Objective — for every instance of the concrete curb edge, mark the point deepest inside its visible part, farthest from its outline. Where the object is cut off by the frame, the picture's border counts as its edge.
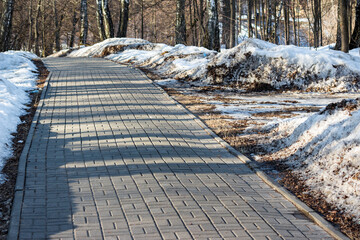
(14, 225)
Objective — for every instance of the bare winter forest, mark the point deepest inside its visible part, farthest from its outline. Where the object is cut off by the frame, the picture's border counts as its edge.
(45, 26)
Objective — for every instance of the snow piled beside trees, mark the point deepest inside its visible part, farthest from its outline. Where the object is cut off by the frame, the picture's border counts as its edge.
(253, 62)
(17, 77)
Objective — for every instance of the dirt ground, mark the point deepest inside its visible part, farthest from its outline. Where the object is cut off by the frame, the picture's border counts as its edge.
(232, 131)
(11, 167)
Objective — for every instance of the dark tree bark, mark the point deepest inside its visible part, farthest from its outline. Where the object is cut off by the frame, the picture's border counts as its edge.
(73, 31)
(124, 18)
(255, 4)
(317, 20)
(37, 28)
(109, 26)
(226, 16)
(287, 21)
(344, 26)
(5, 31)
(338, 30)
(84, 24)
(180, 28)
(355, 37)
(30, 39)
(249, 16)
(100, 19)
(212, 36)
(232, 23)
(57, 27)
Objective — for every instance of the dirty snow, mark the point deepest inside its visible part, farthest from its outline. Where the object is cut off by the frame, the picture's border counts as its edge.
(17, 77)
(98, 48)
(324, 149)
(286, 67)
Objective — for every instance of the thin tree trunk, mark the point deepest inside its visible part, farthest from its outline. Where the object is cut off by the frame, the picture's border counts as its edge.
(232, 23)
(344, 26)
(36, 33)
(263, 22)
(213, 41)
(293, 16)
(57, 27)
(226, 18)
(338, 30)
(256, 18)
(109, 26)
(29, 47)
(142, 19)
(84, 24)
(100, 19)
(180, 28)
(355, 37)
(287, 22)
(73, 31)
(6, 26)
(124, 19)
(249, 16)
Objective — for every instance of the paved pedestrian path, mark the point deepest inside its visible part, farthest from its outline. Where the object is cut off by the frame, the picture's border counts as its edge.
(112, 157)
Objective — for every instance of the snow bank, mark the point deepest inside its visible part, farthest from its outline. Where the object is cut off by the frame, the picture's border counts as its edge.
(179, 62)
(17, 77)
(286, 67)
(253, 65)
(98, 48)
(324, 149)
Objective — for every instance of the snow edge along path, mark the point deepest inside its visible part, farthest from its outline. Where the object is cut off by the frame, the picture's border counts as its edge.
(14, 226)
(310, 213)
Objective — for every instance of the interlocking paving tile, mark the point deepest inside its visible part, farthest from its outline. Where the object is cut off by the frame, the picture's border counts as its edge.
(113, 158)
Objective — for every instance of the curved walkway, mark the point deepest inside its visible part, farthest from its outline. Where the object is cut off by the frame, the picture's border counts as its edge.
(112, 157)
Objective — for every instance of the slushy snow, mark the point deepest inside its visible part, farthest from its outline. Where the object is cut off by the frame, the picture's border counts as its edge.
(17, 77)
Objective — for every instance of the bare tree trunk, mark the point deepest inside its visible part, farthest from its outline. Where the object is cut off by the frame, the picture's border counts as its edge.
(287, 22)
(226, 18)
(338, 30)
(57, 27)
(344, 26)
(262, 19)
(36, 33)
(232, 23)
(213, 40)
(256, 18)
(293, 16)
(73, 31)
(249, 16)
(355, 37)
(84, 24)
(100, 19)
(268, 20)
(5, 31)
(180, 28)
(142, 19)
(316, 28)
(109, 26)
(124, 18)
(30, 39)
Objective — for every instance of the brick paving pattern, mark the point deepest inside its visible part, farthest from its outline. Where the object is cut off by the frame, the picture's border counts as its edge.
(113, 158)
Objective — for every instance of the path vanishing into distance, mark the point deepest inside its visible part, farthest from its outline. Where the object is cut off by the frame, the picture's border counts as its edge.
(113, 157)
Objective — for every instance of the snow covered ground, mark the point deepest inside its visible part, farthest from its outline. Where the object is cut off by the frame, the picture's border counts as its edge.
(300, 127)
(17, 77)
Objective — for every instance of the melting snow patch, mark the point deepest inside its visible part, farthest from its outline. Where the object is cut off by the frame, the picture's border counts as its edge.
(17, 77)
